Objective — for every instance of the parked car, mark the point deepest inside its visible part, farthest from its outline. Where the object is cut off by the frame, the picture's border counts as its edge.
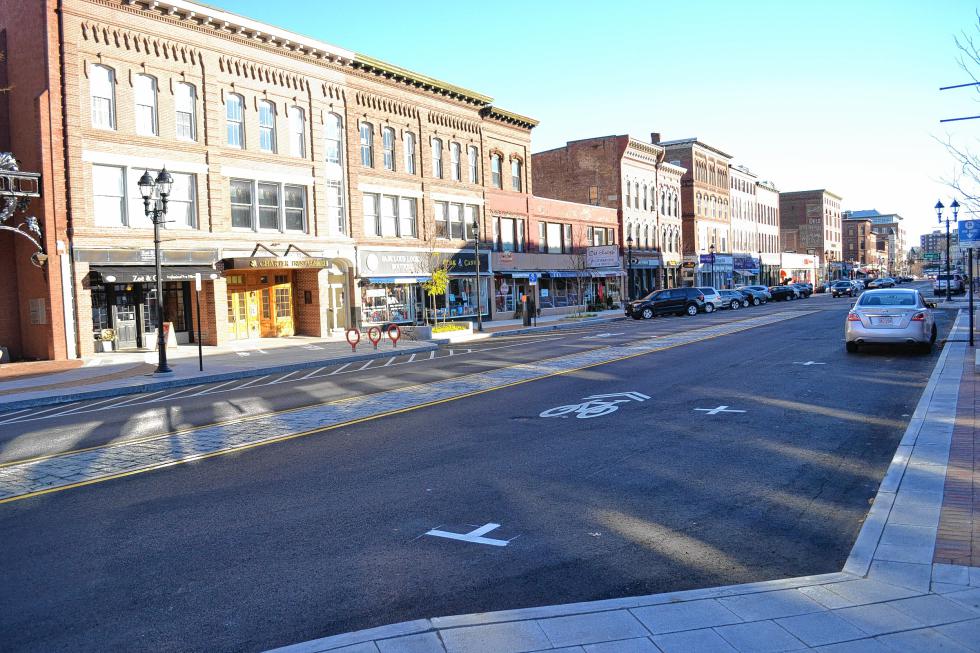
(783, 293)
(955, 282)
(841, 288)
(679, 301)
(712, 300)
(858, 283)
(760, 289)
(896, 315)
(882, 282)
(733, 299)
(755, 296)
(803, 289)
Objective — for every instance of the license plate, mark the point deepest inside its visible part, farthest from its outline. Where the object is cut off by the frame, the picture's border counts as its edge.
(883, 320)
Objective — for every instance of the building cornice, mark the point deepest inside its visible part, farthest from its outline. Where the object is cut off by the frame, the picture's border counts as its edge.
(508, 117)
(405, 76)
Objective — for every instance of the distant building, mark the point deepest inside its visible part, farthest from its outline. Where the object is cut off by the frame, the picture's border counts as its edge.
(767, 205)
(861, 252)
(890, 228)
(810, 223)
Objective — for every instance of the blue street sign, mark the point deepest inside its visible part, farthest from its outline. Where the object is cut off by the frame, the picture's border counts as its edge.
(533, 278)
(969, 233)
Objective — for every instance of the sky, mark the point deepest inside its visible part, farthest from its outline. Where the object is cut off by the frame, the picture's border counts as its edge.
(837, 94)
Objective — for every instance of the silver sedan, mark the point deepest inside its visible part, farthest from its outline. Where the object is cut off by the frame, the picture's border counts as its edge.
(892, 315)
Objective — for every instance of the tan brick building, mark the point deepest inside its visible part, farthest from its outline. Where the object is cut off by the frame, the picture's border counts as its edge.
(314, 186)
(810, 223)
(706, 211)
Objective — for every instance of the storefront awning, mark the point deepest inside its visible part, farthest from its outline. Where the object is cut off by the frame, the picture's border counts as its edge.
(396, 279)
(747, 273)
(148, 274)
(562, 274)
(607, 273)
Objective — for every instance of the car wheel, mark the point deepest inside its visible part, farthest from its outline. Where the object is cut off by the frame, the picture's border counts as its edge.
(736, 304)
(709, 308)
(647, 313)
(745, 303)
(692, 309)
(851, 347)
(756, 301)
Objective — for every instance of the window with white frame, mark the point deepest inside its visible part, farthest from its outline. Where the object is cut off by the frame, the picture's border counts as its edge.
(496, 174)
(474, 163)
(454, 161)
(102, 88)
(145, 98)
(297, 132)
(235, 119)
(437, 158)
(372, 218)
(388, 143)
(510, 234)
(554, 238)
(409, 141)
(457, 229)
(109, 196)
(267, 126)
(185, 114)
(333, 128)
(389, 216)
(367, 145)
(407, 217)
(442, 219)
(472, 218)
(267, 206)
(181, 203)
(515, 174)
(335, 205)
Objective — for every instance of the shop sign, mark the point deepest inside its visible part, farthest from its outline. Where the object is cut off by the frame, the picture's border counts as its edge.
(707, 258)
(507, 257)
(602, 256)
(387, 263)
(262, 263)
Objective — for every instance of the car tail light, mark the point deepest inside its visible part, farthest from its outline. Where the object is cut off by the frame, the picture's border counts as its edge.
(919, 317)
(853, 317)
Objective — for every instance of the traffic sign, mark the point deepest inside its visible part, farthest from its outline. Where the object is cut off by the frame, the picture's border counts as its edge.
(969, 233)
(533, 278)
(931, 256)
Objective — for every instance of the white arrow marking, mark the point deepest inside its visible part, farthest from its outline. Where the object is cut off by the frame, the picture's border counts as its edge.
(807, 363)
(601, 335)
(719, 409)
(475, 536)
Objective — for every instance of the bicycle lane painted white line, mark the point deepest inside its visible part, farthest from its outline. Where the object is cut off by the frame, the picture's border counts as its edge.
(20, 480)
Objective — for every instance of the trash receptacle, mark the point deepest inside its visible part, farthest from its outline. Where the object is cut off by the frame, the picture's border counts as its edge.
(528, 309)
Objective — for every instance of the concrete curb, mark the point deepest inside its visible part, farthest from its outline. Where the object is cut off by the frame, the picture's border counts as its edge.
(150, 386)
(556, 327)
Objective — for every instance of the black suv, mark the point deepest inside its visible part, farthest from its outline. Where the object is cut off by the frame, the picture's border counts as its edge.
(783, 293)
(676, 301)
(841, 288)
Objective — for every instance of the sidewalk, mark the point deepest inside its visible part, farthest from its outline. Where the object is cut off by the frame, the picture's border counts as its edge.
(911, 583)
(28, 385)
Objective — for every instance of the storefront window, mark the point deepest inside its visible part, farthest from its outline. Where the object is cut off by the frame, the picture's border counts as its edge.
(387, 302)
(283, 304)
(504, 293)
(460, 299)
(100, 310)
(173, 305)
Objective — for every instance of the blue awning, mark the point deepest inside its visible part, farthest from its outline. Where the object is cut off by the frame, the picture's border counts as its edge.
(562, 274)
(415, 279)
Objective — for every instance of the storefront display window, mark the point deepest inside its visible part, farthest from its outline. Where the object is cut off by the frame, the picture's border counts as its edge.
(459, 300)
(387, 302)
(558, 293)
(504, 292)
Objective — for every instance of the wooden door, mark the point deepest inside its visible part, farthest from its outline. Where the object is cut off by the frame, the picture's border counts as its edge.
(267, 322)
(282, 300)
(252, 301)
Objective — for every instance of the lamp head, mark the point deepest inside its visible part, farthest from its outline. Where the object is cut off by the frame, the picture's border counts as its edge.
(956, 208)
(146, 185)
(164, 182)
(629, 241)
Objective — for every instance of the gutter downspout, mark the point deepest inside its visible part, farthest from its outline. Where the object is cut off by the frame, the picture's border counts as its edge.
(69, 224)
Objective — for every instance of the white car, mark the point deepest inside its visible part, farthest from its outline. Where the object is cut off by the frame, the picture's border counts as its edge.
(858, 283)
(712, 300)
(890, 315)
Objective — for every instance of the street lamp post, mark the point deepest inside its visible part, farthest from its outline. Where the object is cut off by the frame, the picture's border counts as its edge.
(479, 295)
(939, 214)
(711, 257)
(156, 191)
(629, 267)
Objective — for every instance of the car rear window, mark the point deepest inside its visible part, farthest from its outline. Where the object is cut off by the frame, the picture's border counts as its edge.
(887, 299)
(707, 291)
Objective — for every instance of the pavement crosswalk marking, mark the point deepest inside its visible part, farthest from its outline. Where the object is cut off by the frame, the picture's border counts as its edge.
(37, 476)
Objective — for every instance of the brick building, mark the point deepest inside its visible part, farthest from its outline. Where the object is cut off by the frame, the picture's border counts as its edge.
(810, 223)
(890, 228)
(706, 211)
(767, 204)
(632, 177)
(862, 251)
(314, 187)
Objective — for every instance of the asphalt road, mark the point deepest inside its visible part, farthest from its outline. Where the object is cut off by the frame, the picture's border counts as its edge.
(327, 533)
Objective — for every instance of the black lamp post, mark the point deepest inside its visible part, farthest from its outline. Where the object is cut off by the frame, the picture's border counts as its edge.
(711, 257)
(939, 214)
(629, 267)
(476, 252)
(156, 191)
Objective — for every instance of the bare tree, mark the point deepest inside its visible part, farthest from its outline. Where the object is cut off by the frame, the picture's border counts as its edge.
(965, 178)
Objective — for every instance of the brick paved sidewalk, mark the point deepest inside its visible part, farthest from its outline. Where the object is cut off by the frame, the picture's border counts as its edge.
(911, 583)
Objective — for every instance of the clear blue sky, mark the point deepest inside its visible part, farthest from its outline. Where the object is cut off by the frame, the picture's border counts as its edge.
(837, 94)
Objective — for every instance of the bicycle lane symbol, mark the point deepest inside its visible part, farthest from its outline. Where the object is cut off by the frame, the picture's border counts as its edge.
(595, 405)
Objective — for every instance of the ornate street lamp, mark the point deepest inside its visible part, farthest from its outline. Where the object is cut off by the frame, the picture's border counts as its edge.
(476, 251)
(157, 191)
(16, 191)
(711, 257)
(939, 214)
(629, 267)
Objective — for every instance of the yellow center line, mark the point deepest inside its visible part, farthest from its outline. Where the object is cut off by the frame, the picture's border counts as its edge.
(359, 420)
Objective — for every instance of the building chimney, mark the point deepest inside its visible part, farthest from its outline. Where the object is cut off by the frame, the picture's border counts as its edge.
(655, 137)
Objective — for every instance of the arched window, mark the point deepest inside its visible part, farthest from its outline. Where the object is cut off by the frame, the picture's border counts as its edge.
(676, 210)
(297, 132)
(235, 119)
(646, 237)
(644, 197)
(437, 158)
(185, 111)
(496, 172)
(473, 159)
(455, 166)
(267, 126)
(388, 146)
(102, 88)
(628, 194)
(367, 144)
(636, 194)
(145, 98)
(409, 142)
(663, 201)
(334, 137)
(515, 174)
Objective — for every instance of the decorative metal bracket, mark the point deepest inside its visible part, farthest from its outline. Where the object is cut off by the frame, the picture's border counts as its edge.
(17, 189)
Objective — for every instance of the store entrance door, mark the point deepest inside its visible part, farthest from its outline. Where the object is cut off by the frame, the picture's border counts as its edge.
(237, 311)
(267, 324)
(124, 321)
(252, 299)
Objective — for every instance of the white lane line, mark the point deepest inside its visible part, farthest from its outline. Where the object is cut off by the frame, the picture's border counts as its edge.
(390, 361)
(366, 365)
(41, 412)
(86, 406)
(174, 394)
(255, 380)
(475, 536)
(432, 354)
(213, 388)
(137, 397)
(313, 373)
(412, 358)
(16, 412)
(281, 378)
(337, 371)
